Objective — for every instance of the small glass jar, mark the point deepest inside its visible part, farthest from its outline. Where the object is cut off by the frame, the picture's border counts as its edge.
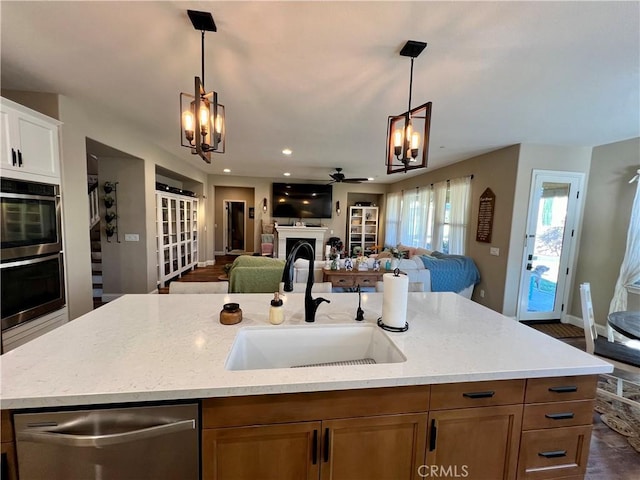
(230, 314)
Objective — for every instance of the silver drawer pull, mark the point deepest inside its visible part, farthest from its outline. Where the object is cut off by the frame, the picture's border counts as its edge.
(559, 416)
(553, 454)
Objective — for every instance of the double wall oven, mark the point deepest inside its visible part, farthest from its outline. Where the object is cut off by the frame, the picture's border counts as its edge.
(31, 258)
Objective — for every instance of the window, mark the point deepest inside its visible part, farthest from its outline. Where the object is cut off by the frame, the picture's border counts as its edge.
(434, 217)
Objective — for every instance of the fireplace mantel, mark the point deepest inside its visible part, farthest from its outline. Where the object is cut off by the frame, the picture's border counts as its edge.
(316, 233)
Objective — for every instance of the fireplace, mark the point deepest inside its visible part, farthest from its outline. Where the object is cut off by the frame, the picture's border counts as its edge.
(302, 253)
(288, 236)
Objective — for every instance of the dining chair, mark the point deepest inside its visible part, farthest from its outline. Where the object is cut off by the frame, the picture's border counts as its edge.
(199, 287)
(624, 359)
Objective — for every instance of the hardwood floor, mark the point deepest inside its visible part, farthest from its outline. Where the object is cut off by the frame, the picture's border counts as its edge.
(610, 456)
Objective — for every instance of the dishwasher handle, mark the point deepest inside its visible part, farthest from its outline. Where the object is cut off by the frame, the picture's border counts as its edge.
(99, 441)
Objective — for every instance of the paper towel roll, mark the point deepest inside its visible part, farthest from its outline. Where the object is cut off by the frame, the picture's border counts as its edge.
(394, 300)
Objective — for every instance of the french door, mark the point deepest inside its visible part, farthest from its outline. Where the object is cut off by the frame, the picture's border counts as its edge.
(550, 240)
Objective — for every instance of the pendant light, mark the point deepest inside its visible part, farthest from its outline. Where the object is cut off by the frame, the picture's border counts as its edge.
(408, 133)
(202, 123)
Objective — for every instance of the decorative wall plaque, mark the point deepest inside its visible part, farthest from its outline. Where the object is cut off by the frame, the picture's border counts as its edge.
(485, 216)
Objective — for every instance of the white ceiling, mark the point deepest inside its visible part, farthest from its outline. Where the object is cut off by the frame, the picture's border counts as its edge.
(322, 77)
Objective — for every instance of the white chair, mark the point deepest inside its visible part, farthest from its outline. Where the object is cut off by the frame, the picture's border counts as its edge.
(413, 287)
(623, 358)
(199, 287)
(321, 287)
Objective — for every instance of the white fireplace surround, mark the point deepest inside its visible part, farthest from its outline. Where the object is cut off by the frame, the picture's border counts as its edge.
(316, 233)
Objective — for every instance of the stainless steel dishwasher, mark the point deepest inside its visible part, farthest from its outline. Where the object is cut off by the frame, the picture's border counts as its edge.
(156, 442)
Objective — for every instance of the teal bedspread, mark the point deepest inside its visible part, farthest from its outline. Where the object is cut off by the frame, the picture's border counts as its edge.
(249, 274)
(450, 273)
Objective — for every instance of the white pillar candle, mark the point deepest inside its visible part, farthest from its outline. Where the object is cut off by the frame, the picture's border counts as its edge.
(394, 300)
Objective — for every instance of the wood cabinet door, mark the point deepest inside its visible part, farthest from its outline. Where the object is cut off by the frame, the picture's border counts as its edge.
(270, 452)
(477, 443)
(388, 447)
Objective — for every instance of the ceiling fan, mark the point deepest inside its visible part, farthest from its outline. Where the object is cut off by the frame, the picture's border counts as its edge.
(338, 177)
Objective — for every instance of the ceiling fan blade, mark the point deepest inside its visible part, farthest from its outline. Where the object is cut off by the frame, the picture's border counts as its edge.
(353, 180)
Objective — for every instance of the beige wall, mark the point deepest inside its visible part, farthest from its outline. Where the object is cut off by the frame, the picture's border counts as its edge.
(497, 171)
(543, 157)
(262, 189)
(606, 220)
(79, 123)
(117, 258)
(45, 103)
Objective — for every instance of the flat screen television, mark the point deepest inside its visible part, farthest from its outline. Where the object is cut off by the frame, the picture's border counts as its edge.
(301, 200)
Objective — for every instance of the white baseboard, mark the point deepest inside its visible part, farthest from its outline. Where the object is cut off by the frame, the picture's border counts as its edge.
(208, 263)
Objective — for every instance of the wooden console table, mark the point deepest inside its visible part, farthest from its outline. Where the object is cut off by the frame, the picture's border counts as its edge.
(350, 279)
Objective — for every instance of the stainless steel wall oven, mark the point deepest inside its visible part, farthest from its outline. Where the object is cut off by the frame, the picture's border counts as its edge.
(30, 215)
(31, 258)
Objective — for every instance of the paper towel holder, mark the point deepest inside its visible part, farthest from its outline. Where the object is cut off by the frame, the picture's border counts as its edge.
(388, 328)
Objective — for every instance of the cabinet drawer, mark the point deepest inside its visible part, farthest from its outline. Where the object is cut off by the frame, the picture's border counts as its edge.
(557, 414)
(561, 389)
(476, 394)
(367, 281)
(342, 281)
(554, 453)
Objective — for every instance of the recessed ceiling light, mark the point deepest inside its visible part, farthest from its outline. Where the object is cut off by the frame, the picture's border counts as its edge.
(287, 151)
(287, 174)
(371, 179)
(227, 170)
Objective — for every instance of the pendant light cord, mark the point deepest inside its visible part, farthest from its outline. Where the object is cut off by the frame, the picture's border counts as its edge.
(202, 59)
(410, 85)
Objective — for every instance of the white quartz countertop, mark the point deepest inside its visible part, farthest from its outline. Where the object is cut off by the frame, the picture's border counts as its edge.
(163, 347)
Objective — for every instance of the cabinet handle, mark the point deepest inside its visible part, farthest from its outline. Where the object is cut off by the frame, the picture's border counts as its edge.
(19, 158)
(559, 416)
(567, 389)
(326, 445)
(433, 435)
(487, 394)
(314, 448)
(553, 454)
(13, 157)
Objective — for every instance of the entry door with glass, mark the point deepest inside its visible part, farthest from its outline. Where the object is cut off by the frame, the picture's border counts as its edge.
(549, 244)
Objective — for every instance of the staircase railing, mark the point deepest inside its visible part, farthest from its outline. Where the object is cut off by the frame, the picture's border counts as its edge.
(94, 212)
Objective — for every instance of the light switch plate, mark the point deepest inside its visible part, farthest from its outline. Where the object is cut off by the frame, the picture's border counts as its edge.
(131, 237)
(494, 251)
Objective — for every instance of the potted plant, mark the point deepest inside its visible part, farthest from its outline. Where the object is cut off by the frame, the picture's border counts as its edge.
(108, 187)
(110, 217)
(110, 230)
(108, 201)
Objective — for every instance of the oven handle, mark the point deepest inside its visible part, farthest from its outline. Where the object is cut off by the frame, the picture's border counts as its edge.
(30, 261)
(100, 441)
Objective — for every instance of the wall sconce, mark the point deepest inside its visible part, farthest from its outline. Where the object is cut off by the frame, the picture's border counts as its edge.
(338, 208)
(202, 125)
(405, 149)
(264, 204)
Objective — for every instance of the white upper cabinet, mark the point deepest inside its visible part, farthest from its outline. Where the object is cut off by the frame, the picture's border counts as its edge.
(30, 145)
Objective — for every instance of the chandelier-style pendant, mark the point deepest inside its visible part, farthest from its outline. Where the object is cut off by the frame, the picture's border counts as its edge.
(408, 133)
(202, 119)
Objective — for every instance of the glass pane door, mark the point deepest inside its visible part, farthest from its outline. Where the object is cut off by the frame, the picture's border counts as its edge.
(549, 242)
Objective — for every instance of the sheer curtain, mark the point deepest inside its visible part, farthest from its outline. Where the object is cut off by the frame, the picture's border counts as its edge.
(439, 210)
(630, 268)
(392, 224)
(459, 191)
(415, 217)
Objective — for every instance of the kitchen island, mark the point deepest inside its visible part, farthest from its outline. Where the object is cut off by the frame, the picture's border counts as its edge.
(151, 348)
